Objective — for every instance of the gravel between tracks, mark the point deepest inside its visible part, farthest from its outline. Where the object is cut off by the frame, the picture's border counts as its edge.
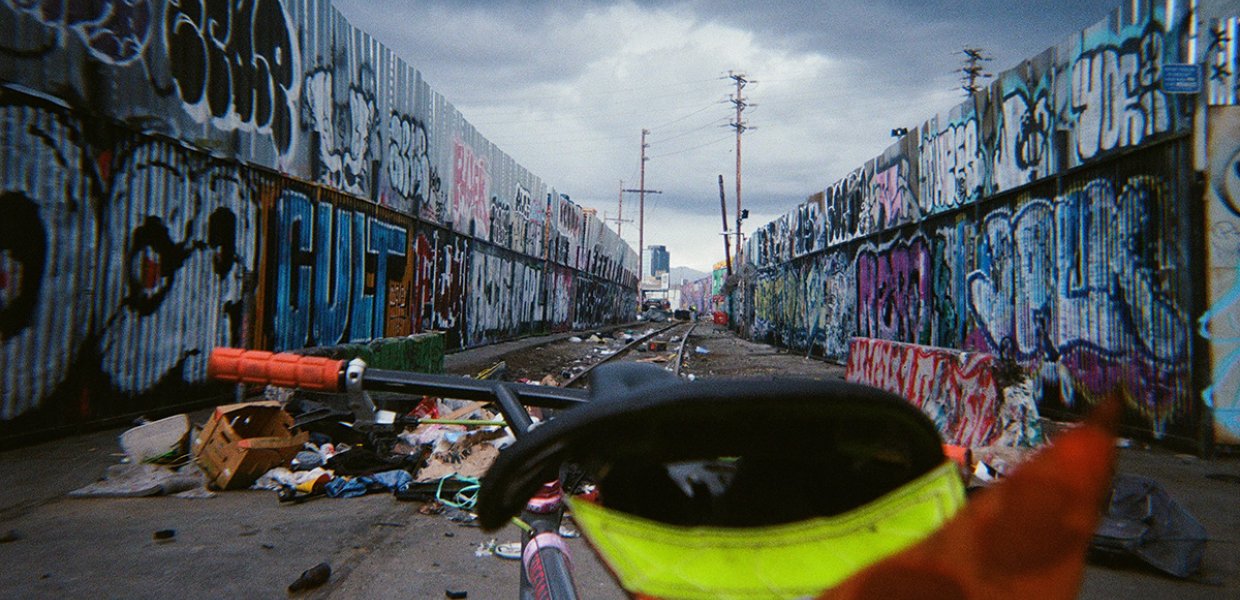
(727, 355)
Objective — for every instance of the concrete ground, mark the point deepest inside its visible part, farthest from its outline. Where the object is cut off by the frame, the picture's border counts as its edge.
(246, 544)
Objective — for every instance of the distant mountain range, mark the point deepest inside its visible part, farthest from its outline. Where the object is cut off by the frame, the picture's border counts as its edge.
(676, 274)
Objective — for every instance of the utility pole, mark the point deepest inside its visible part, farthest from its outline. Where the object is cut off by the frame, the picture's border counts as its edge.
(641, 211)
(973, 70)
(723, 210)
(620, 220)
(740, 126)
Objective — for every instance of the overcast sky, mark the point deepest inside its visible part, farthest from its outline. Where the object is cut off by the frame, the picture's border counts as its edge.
(566, 89)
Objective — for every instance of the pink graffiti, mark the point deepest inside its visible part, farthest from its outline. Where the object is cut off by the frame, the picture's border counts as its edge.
(469, 194)
(889, 193)
(893, 291)
(957, 390)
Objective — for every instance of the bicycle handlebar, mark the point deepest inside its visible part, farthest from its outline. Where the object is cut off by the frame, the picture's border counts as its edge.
(284, 369)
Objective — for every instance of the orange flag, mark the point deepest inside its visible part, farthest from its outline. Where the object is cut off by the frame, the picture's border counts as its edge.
(1024, 537)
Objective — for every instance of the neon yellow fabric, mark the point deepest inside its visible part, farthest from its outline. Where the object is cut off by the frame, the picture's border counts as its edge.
(783, 561)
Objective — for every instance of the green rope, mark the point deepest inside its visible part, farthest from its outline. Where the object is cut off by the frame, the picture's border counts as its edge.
(465, 498)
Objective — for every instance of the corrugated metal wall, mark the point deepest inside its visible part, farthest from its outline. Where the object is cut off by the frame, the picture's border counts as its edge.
(1050, 219)
(180, 175)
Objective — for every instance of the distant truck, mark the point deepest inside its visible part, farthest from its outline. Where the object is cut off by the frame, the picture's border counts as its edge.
(656, 303)
(655, 310)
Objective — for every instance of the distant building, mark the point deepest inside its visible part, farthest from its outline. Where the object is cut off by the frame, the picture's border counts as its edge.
(659, 261)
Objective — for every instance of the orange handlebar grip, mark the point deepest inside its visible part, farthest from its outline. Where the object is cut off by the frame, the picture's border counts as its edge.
(313, 373)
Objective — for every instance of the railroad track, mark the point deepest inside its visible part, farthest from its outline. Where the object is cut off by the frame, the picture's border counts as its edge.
(657, 341)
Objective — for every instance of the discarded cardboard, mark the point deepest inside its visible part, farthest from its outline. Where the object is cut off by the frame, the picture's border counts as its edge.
(243, 441)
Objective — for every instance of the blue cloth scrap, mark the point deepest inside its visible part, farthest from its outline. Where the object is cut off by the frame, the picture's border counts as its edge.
(392, 481)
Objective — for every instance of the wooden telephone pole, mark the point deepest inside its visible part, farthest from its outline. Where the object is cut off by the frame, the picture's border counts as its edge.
(641, 192)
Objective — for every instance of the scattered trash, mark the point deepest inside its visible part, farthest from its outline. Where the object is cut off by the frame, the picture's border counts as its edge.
(657, 346)
(164, 536)
(1123, 443)
(457, 515)
(242, 441)
(282, 477)
(311, 578)
(701, 350)
(485, 549)
(468, 455)
(431, 508)
(199, 493)
(307, 460)
(1001, 459)
(161, 442)
(575, 340)
(510, 551)
(10, 536)
(138, 480)
(595, 339)
(1144, 522)
(692, 377)
(352, 487)
(982, 475)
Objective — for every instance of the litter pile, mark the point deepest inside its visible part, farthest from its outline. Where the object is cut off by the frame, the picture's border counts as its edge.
(302, 446)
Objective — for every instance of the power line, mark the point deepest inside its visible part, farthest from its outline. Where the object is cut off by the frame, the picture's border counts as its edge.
(661, 86)
(715, 123)
(682, 151)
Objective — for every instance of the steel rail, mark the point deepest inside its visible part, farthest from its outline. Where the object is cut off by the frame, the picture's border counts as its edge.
(623, 349)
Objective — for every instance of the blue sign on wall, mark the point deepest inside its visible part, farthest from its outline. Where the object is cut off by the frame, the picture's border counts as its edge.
(1181, 78)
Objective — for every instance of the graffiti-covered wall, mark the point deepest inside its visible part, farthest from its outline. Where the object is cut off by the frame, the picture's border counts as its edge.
(181, 174)
(1051, 219)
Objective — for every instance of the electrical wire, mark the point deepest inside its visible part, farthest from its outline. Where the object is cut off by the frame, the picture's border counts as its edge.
(682, 151)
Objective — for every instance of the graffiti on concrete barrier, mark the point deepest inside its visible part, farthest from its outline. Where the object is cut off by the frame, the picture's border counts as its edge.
(957, 390)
